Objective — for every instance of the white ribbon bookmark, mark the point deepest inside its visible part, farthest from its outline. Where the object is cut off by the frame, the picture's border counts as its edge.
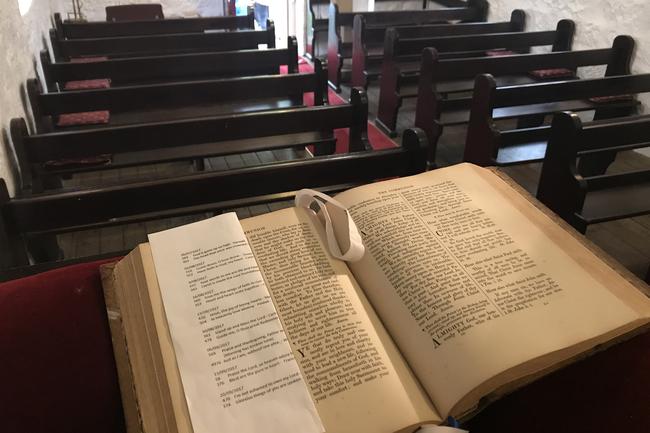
(342, 233)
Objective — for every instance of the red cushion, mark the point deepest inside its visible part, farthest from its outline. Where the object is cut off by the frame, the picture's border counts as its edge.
(100, 83)
(57, 370)
(542, 74)
(607, 392)
(497, 53)
(85, 118)
(90, 59)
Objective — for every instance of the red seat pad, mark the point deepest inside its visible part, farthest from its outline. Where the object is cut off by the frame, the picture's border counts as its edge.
(499, 53)
(605, 393)
(89, 59)
(57, 370)
(85, 118)
(99, 83)
(543, 74)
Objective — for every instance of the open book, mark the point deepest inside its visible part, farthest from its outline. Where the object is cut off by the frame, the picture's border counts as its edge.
(466, 291)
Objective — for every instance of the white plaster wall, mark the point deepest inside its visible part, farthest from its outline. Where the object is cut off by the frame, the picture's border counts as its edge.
(21, 39)
(597, 23)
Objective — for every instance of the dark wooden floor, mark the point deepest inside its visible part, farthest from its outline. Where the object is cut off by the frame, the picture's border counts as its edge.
(628, 240)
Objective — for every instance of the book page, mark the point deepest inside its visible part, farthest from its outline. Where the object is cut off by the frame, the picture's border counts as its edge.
(356, 376)
(473, 282)
(237, 369)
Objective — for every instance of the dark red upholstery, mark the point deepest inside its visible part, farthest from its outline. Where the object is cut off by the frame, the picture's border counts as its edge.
(499, 53)
(85, 118)
(57, 370)
(100, 83)
(545, 74)
(606, 393)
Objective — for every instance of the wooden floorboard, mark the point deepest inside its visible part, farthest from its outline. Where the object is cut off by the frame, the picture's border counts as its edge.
(627, 240)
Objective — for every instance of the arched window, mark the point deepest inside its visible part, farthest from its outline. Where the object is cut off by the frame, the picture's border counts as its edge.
(23, 6)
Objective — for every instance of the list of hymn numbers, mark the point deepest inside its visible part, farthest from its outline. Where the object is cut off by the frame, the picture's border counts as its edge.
(238, 321)
(237, 368)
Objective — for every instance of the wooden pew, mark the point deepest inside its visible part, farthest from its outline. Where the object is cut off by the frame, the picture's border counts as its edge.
(487, 144)
(130, 46)
(25, 218)
(440, 77)
(177, 100)
(368, 41)
(318, 26)
(584, 200)
(340, 22)
(400, 71)
(174, 67)
(317, 29)
(40, 155)
(106, 29)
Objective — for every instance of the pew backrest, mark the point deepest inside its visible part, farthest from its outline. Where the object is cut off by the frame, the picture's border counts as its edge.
(173, 67)
(211, 94)
(125, 46)
(190, 138)
(107, 29)
(31, 216)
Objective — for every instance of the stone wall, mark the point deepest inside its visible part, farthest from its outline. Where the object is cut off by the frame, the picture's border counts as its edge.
(21, 39)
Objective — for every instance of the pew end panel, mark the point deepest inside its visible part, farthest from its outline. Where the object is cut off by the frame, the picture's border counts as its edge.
(56, 47)
(565, 32)
(14, 251)
(482, 8)
(321, 96)
(58, 26)
(334, 42)
(46, 65)
(518, 20)
(389, 98)
(581, 199)
(42, 122)
(560, 186)
(292, 60)
(359, 128)
(270, 34)
(427, 111)
(359, 52)
(479, 145)
(19, 133)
